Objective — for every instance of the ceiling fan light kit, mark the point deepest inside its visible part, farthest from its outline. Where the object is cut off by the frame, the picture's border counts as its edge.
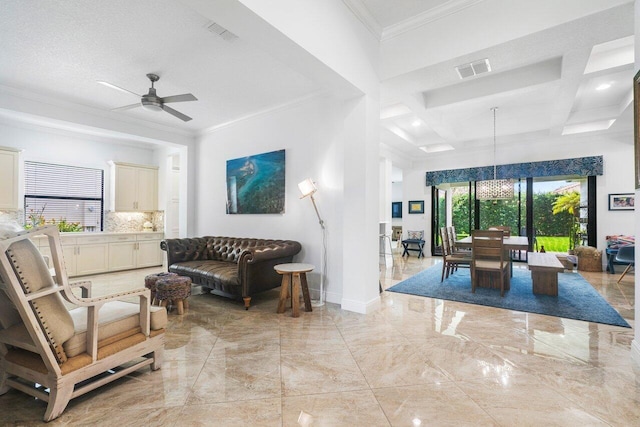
(152, 102)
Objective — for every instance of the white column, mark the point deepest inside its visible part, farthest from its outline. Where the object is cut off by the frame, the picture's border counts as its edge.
(635, 344)
(361, 208)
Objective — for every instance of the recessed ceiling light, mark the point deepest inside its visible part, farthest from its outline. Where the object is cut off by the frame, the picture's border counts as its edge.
(603, 86)
(416, 123)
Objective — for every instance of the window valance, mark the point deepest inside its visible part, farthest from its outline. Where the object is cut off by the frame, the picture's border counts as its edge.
(583, 166)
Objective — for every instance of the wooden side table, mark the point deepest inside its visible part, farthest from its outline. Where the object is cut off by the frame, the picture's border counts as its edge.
(294, 275)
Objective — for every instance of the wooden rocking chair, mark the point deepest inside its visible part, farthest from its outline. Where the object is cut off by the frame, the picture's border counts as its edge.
(44, 346)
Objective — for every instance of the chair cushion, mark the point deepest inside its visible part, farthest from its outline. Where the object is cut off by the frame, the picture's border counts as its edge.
(116, 319)
(33, 275)
(209, 272)
(487, 264)
(415, 235)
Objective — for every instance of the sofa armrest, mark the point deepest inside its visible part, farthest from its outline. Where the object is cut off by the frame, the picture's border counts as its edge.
(287, 248)
(255, 265)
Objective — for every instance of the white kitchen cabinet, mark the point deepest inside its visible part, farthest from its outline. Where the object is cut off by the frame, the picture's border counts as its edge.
(135, 251)
(103, 252)
(9, 167)
(149, 252)
(133, 187)
(122, 252)
(83, 255)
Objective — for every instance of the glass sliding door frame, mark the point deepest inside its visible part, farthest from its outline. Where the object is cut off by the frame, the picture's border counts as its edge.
(439, 212)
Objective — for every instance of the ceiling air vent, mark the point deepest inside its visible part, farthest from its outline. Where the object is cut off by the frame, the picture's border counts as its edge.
(473, 68)
(219, 30)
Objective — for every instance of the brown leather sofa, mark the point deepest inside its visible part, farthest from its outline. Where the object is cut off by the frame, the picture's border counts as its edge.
(232, 267)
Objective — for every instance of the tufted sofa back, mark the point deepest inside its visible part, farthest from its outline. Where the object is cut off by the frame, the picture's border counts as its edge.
(217, 248)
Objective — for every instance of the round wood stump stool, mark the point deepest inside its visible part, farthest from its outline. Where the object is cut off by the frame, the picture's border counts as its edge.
(175, 289)
(150, 282)
(294, 275)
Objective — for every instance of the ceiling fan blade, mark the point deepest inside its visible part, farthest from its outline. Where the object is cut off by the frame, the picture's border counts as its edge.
(179, 98)
(112, 86)
(127, 107)
(176, 113)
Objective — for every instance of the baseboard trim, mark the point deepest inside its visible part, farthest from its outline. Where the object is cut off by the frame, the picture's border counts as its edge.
(361, 306)
(635, 351)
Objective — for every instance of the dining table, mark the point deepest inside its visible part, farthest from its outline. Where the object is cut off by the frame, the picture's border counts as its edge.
(511, 243)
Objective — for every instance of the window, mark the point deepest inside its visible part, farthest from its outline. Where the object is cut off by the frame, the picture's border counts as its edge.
(61, 192)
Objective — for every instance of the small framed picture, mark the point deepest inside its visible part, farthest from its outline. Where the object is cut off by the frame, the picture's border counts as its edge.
(416, 206)
(622, 202)
(396, 209)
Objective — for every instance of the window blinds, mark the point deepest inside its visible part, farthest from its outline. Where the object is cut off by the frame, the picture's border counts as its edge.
(61, 192)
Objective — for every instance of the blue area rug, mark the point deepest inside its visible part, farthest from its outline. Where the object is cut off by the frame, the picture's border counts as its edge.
(576, 299)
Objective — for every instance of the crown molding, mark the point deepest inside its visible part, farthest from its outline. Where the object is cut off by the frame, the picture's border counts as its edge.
(444, 10)
(269, 110)
(362, 13)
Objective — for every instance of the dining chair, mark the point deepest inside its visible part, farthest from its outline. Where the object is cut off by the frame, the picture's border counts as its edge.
(626, 254)
(451, 231)
(488, 256)
(450, 260)
(504, 228)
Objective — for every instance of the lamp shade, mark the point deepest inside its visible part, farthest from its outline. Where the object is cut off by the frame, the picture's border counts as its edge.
(495, 189)
(307, 187)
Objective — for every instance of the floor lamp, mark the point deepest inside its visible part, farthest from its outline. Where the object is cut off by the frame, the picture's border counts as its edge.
(308, 188)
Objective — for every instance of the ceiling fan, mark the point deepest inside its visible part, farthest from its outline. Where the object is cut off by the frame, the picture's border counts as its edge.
(153, 102)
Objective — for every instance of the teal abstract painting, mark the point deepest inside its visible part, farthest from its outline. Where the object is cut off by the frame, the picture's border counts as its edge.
(255, 184)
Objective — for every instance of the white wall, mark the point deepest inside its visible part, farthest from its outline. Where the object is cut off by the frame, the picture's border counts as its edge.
(68, 148)
(308, 134)
(413, 188)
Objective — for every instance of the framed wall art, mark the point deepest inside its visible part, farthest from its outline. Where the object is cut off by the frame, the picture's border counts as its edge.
(622, 202)
(636, 126)
(255, 184)
(416, 206)
(396, 209)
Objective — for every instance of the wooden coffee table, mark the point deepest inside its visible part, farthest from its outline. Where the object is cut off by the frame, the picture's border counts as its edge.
(544, 272)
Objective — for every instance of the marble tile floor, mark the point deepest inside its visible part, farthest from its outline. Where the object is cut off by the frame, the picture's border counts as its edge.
(413, 362)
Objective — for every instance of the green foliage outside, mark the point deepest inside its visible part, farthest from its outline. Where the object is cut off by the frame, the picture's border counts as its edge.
(559, 224)
(552, 244)
(37, 219)
(63, 224)
(570, 203)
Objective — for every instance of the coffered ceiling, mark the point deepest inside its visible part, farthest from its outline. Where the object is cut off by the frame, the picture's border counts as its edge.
(556, 68)
(564, 72)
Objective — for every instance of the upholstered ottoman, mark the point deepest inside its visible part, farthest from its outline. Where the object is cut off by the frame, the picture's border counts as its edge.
(151, 279)
(175, 289)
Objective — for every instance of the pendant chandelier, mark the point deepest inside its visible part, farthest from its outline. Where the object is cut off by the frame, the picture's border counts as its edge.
(495, 189)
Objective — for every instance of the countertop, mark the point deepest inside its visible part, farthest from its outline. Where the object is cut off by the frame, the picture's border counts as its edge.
(107, 233)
